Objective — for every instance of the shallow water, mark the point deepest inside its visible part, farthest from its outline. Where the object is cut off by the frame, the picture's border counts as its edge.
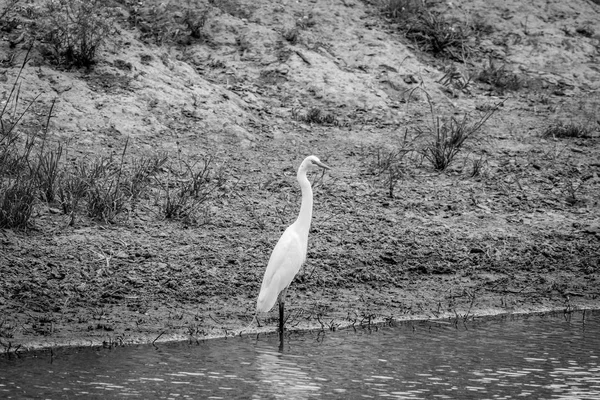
(552, 357)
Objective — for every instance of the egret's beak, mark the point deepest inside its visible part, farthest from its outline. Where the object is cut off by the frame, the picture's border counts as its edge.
(322, 165)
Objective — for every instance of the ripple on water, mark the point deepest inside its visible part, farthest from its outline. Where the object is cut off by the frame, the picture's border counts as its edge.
(531, 357)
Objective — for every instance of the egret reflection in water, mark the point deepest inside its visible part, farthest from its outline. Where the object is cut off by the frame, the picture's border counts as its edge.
(529, 356)
(280, 377)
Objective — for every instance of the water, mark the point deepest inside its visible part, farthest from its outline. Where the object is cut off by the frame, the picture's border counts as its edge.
(549, 357)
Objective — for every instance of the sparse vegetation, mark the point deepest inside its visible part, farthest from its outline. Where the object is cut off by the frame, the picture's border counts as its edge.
(477, 167)
(104, 185)
(455, 79)
(441, 37)
(572, 188)
(402, 9)
(187, 187)
(73, 188)
(17, 175)
(195, 21)
(73, 30)
(390, 164)
(316, 116)
(48, 173)
(560, 129)
(105, 197)
(32, 172)
(448, 136)
(430, 29)
(499, 77)
(166, 22)
(17, 201)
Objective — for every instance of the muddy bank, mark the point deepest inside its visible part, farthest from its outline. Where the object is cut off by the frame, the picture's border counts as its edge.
(512, 225)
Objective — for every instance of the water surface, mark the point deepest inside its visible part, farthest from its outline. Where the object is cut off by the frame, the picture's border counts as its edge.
(551, 357)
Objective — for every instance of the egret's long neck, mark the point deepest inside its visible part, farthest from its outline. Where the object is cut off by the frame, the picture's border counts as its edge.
(305, 215)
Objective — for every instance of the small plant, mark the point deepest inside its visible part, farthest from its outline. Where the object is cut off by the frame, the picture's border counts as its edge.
(567, 130)
(187, 188)
(153, 21)
(72, 188)
(143, 169)
(389, 163)
(454, 78)
(291, 35)
(449, 137)
(441, 37)
(571, 190)
(112, 189)
(48, 162)
(316, 116)
(16, 202)
(105, 196)
(499, 78)
(195, 20)
(74, 30)
(48, 172)
(163, 22)
(402, 9)
(477, 167)
(102, 194)
(96, 184)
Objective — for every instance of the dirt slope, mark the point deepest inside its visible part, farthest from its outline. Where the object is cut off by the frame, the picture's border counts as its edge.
(522, 235)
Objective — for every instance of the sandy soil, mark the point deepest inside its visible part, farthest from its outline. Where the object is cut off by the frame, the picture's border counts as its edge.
(522, 235)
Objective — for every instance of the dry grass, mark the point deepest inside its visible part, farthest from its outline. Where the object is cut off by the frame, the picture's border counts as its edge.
(559, 129)
(34, 171)
(436, 34)
(73, 30)
(499, 77)
(316, 116)
(402, 9)
(448, 136)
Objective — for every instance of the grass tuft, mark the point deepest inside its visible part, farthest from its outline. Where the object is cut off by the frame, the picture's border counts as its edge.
(435, 34)
(187, 187)
(455, 79)
(402, 9)
(448, 137)
(499, 78)
(567, 130)
(316, 116)
(74, 30)
(16, 202)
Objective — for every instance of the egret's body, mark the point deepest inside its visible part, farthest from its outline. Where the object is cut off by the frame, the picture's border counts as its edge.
(290, 251)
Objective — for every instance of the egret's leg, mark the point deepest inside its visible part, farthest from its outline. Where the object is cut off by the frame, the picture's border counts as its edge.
(281, 309)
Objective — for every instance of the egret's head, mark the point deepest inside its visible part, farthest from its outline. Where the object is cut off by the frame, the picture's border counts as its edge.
(312, 162)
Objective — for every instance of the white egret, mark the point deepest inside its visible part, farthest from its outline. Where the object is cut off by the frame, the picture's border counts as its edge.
(290, 251)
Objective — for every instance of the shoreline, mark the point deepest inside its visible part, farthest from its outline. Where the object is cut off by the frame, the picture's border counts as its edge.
(33, 346)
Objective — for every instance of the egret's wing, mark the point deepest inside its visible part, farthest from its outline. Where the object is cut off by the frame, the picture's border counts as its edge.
(285, 262)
